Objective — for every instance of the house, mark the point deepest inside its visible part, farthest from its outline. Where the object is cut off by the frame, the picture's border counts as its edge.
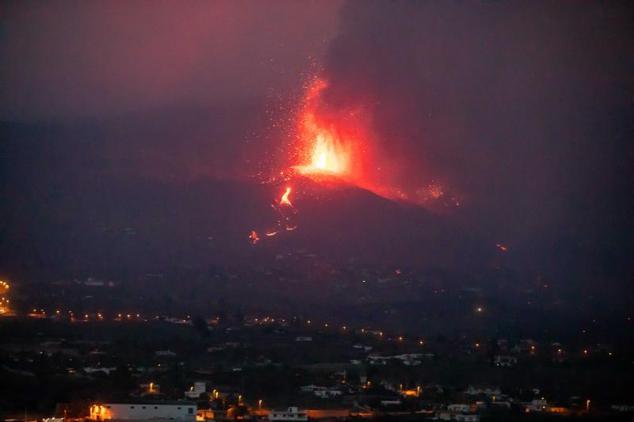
(99, 369)
(623, 408)
(290, 414)
(390, 402)
(321, 392)
(150, 388)
(504, 361)
(328, 393)
(485, 391)
(458, 408)
(378, 360)
(407, 359)
(537, 405)
(458, 412)
(362, 347)
(309, 388)
(467, 418)
(196, 390)
(181, 411)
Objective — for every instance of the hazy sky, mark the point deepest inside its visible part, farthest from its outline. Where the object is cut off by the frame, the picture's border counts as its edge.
(65, 58)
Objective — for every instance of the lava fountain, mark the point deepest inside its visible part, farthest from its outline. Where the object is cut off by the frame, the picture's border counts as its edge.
(328, 154)
(328, 144)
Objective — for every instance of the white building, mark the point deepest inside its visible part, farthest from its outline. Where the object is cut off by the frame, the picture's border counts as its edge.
(462, 417)
(196, 390)
(328, 393)
(408, 359)
(97, 369)
(178, 411)
(458, 408)
(290, 414)
(537, 405)
(486, 391)
(309, 388)
(321, 392)
(505, 361)
(467, 418)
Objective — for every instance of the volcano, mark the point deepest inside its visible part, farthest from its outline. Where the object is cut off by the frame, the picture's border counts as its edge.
(339, 219)
(138, 226)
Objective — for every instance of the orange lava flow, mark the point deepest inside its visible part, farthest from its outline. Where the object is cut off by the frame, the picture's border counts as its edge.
(285, 200)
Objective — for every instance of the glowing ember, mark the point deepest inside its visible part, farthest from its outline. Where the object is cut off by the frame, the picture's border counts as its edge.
(253, 237)
(435, 191)
(285, 200)
(502, 247)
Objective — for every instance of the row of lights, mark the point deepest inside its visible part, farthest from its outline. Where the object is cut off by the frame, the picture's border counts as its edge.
(267, 319)
(378, 333)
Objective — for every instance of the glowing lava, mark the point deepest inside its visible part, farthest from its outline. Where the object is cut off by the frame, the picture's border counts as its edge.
(285, 200)
(328, 153)
(501, 247)
(326, 145)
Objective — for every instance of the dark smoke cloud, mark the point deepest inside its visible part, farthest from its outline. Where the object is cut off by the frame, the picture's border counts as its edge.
(523, 107)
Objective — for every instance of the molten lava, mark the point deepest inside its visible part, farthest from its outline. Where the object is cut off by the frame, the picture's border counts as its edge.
(328, 153)
(327, 145)
(253, 237)
(285, 200)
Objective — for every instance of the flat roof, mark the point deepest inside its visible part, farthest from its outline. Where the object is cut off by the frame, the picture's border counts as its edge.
(152, 402)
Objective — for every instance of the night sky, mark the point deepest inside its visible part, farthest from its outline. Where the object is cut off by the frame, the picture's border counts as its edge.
(523, 110)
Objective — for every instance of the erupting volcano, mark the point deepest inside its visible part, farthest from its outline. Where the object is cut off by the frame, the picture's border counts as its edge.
(334, 147)
(328, 147)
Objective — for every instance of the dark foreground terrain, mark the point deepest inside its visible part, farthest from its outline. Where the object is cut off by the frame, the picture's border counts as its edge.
(61, 364)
